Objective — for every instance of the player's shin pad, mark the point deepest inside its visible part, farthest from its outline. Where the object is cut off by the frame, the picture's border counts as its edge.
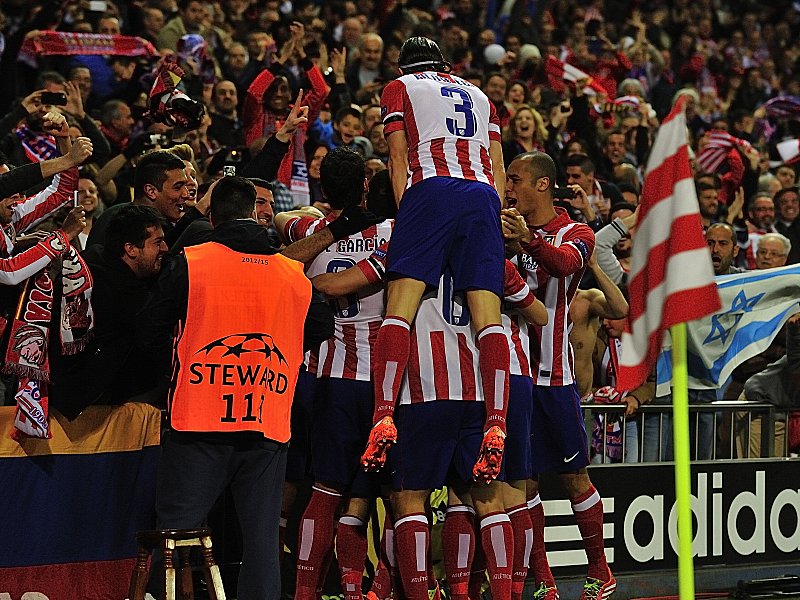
(381, 438)
(490, 457)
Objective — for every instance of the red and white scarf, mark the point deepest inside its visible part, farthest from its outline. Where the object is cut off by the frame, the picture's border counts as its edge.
(38, 146)
(27, 352)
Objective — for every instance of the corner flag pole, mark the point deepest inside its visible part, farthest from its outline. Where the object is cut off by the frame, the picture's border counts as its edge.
(683, 483)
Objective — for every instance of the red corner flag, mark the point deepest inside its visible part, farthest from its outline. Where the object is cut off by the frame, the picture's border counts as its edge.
(672, 278)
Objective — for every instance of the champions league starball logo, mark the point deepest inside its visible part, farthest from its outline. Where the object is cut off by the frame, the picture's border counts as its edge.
(238, 344)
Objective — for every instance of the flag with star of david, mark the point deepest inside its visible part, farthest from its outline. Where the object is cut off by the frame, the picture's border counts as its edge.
(755, 305)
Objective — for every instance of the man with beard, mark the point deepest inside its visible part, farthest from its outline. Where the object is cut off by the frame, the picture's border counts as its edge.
(708, 198)
(225, 126)
(721, 240)
(787, 203)
(113, 369)
(760, 220)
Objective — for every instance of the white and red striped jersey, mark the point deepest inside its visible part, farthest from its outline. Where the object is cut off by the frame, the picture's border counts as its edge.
(443, 362)
(357, 317)
(37, 208)
(19, 267)
(553, 266)
(448, 123)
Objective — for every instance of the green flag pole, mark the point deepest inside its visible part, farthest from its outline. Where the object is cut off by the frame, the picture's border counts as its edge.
(683, 483)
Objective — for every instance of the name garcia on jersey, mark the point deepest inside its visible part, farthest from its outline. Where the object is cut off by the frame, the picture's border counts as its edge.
(352, 246)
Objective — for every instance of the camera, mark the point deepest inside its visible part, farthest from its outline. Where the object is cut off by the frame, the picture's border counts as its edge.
(54, 98)
(564, 193)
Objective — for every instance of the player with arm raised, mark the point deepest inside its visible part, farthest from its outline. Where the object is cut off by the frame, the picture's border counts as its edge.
(446, 167)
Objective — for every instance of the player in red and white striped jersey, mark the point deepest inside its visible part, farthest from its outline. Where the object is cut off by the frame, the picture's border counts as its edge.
(446, 169)
(444, 362)
(440, 418)
(554, 251)
(415, 104)
(342, 412)
(358, 316)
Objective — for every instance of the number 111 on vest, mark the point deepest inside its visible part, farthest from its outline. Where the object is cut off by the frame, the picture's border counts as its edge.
(228, 399)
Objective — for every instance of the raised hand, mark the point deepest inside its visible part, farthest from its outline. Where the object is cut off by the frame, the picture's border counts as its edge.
(297, 116)
(55, 124)
(74, 104)
(75, 222)
(80, 151)
(298, 32)
(338, 62)
(32, 101)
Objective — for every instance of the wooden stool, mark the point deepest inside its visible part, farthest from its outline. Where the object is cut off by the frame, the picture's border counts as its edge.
(168, 540)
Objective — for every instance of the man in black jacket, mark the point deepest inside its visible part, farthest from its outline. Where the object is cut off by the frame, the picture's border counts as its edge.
(113, 369)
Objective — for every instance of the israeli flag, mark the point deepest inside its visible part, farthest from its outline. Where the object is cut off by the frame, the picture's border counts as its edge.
(755, 305)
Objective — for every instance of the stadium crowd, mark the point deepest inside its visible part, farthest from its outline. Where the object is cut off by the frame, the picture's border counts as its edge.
(117, 154)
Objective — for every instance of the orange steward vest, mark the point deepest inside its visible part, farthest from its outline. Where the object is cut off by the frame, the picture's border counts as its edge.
(239, 354)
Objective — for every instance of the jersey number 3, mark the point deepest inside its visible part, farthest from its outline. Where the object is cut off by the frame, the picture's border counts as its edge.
(465, 108)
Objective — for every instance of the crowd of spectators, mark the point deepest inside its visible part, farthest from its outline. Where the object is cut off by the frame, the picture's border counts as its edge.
(249, 62)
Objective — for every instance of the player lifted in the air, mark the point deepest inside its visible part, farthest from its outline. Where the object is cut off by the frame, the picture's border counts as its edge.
(446, 167)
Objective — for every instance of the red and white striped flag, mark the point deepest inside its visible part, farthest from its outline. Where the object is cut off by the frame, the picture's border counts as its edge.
(716, 148)
(789, 151)
(558, 71)
(671, 278)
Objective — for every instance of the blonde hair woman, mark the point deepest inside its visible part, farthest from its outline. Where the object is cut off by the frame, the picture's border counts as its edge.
(526, 132)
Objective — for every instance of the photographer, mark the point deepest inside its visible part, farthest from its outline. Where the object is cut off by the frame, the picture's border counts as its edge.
(23, 138)
(575, 201)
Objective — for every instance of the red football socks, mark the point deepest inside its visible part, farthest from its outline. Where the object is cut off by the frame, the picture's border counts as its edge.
(523, 541)
(389, 361)
(386, 571)
(538, 557)
(411, 534)
(351, 552)
(498, 545)
(494, 359)
(588, 510)
(314, 541)
(458, 549)
(477, 574)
